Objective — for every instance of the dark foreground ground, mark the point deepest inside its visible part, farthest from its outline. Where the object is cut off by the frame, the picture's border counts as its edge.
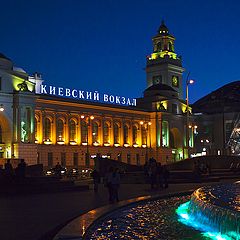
(40, 216)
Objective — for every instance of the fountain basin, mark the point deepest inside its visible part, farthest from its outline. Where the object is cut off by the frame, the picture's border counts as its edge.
(214, 210)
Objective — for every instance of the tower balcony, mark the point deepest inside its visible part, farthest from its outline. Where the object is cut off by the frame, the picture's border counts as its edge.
(164, 60)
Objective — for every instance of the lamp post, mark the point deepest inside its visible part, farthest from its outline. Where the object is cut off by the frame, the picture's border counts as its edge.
(88, 118)
(188, 82)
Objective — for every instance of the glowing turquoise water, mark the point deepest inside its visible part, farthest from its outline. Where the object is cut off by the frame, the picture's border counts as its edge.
(215, 211)
(152, 220)
(209, 213)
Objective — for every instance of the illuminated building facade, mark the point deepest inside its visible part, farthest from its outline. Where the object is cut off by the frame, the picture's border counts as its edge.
(42, 124)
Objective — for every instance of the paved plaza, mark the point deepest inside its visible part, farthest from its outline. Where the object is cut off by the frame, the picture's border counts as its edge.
(40, 216)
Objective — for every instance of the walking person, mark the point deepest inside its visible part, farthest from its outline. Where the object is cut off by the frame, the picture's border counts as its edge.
(165, 174)
(21, 170)
(115, 185)
(152, 171)
(108, 184)
(96, 179)
(159, 175)
(8, 170)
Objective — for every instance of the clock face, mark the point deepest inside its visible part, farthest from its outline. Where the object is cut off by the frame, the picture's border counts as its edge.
(174, 81)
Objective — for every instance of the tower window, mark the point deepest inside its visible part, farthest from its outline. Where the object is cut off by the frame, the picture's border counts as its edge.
(174, 108)
(157, 79)
(159, 46)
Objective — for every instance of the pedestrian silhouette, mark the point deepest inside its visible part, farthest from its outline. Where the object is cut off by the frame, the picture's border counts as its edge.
(115, 184)
(8, 170)
(96, 179)
(21, 170)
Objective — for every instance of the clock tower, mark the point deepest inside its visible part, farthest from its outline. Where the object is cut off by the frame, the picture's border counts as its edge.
(164, 65)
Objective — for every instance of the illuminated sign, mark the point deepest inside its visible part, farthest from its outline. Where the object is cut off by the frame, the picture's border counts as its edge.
(84, 95)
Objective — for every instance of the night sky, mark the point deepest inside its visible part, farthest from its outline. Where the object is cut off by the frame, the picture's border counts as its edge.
(102, 44)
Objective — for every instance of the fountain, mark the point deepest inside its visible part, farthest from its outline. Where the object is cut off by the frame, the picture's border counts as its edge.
(211, 212)
(215, 210)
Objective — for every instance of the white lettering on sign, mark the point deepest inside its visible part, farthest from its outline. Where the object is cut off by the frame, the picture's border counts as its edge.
(88, 95)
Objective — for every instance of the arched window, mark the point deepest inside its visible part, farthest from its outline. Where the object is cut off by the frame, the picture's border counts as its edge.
(47, 129)
(159, 46)
(60, 130)
(116, 133)
(134, 134)
(106, 135)
(144, 135)
(95, 132)
(125, 134)
(72, 130)
(84, 131)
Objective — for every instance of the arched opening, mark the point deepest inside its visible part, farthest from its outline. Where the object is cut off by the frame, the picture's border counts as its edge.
(159, 46)
(60, 130)
(95, 134)
(125, 134)
(72, 131)
(106, 132)
(134, 134)
(116, 133)
(175, 142)
(144, 135)
(47, 129)
(84, 132)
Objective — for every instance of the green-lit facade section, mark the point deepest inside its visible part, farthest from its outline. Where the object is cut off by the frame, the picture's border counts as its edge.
(165, 134)
(190, 137)
(20, 84)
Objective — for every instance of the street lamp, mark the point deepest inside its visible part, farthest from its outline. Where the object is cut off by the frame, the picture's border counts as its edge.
(88, 118)
(188, 82)
(1, 108)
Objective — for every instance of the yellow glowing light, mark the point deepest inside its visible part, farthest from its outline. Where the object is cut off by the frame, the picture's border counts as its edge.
(141, 122)
(106, 144)
(144, 145)
(47, 142)
(84, 144)
(91, 117)
(60, 142)
(149, 123)
(96, 144)
(135, 145)
(72, 143)
(126, 145)
(116, 144)
(82, 116)
(162, 54)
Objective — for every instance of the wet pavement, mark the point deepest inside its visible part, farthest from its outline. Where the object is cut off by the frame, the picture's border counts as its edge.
(41, 216)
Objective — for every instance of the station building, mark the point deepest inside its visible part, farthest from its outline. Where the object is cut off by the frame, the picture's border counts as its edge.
(46, 124)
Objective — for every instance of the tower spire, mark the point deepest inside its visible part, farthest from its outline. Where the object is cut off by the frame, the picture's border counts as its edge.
(163, 65)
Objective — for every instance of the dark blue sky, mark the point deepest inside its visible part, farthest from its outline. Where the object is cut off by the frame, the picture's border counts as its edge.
(102, 44)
